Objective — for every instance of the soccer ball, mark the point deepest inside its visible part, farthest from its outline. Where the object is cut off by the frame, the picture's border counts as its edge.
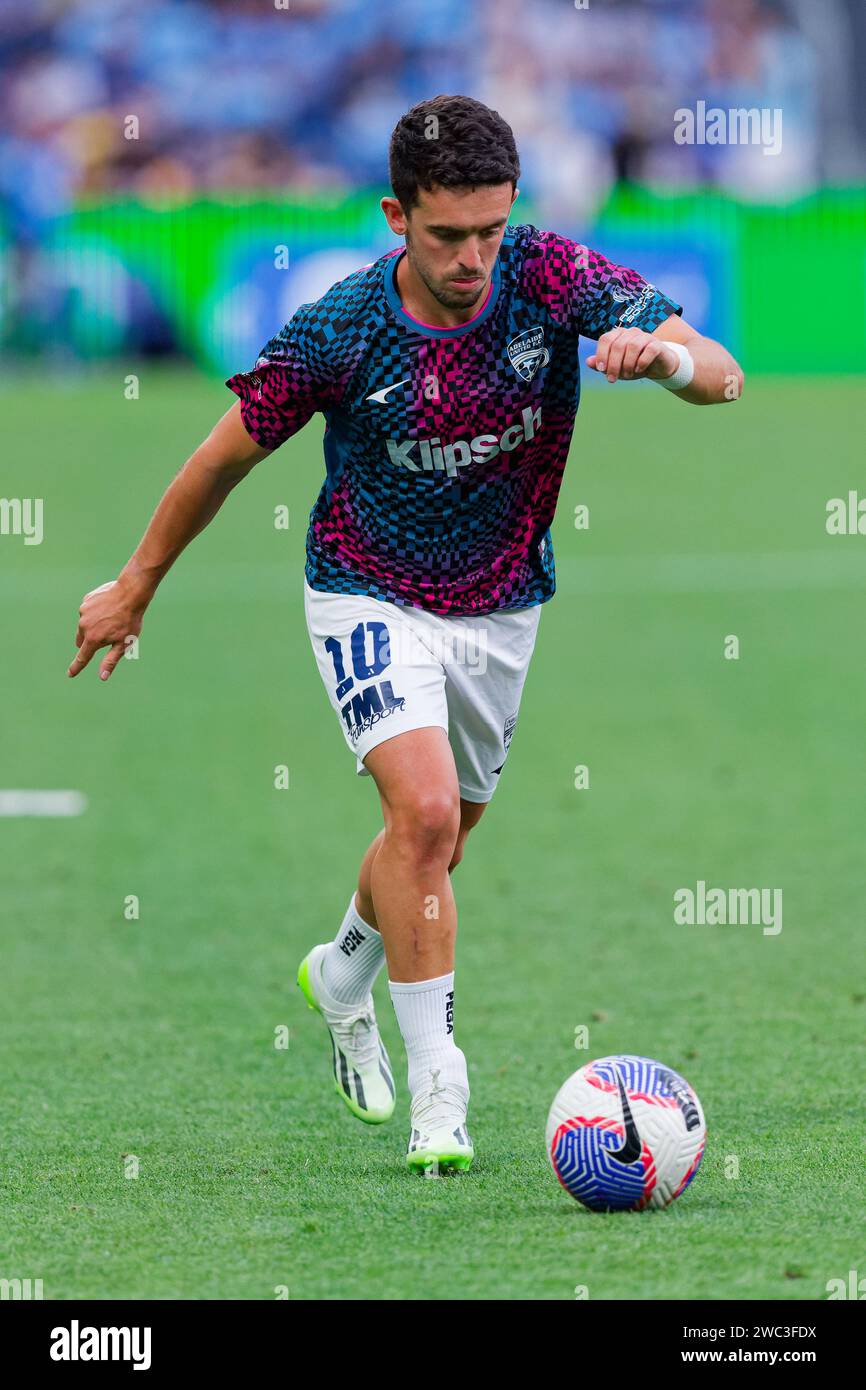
(625, 1133)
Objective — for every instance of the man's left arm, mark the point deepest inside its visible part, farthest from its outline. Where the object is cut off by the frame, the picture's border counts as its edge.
(629, 354)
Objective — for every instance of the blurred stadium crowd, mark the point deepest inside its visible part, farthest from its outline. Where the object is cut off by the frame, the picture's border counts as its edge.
(243, 95)
(164, 242)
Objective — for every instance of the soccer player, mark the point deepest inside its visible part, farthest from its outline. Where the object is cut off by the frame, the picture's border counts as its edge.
(447, 373)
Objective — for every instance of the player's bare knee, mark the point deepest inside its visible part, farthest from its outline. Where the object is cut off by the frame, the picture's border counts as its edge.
(425, 828)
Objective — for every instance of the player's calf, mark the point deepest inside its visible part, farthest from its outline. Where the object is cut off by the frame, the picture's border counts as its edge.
(415, 909)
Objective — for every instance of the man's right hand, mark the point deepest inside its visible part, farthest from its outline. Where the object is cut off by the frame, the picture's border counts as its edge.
(108, 617)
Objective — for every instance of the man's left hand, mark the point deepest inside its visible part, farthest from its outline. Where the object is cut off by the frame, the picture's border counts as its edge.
(627, 354)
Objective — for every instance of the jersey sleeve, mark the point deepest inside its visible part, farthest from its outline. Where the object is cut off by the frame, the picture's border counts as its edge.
(291, 380)
(593, 294)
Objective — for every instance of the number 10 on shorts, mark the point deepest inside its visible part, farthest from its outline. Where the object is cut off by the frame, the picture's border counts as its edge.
(375, 701)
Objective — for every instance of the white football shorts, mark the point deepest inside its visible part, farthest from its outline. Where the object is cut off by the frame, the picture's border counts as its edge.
(389, 668)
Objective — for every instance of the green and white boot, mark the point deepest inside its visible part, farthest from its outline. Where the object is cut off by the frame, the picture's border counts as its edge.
(439, 1141)
(362, 1070)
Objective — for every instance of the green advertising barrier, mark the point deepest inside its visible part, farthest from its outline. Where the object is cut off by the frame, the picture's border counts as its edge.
(785, 261)
(203, 266)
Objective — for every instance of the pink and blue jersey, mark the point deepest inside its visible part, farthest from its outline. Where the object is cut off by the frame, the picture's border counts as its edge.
(444, 447)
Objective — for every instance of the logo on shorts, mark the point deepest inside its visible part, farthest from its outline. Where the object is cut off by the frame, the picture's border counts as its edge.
(508, 730)
(527, 353)
(365, 709)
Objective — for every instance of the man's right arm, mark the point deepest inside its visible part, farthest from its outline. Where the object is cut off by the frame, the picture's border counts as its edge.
(112, 614)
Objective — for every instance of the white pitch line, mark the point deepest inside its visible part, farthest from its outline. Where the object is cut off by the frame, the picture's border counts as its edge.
(42, 803)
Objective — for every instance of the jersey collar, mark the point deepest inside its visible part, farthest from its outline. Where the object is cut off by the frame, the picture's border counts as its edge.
(427, 330)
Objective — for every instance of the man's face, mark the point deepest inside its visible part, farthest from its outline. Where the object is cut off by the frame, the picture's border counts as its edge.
(453, 237)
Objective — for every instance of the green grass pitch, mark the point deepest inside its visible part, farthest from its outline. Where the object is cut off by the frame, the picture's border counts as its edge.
(155, 1037)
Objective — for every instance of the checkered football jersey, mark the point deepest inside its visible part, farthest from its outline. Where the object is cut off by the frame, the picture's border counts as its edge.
(444, 447)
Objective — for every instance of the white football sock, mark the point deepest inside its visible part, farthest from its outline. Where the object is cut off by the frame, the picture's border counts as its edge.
(425, 1013)
(353, 960)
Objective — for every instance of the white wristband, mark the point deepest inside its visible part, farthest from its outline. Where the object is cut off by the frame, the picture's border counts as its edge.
(684, 372)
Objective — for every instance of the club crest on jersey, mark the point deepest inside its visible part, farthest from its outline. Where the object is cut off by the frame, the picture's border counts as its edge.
(527, 353)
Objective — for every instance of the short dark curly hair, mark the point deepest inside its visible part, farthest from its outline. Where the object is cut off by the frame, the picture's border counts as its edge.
(453, 141)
